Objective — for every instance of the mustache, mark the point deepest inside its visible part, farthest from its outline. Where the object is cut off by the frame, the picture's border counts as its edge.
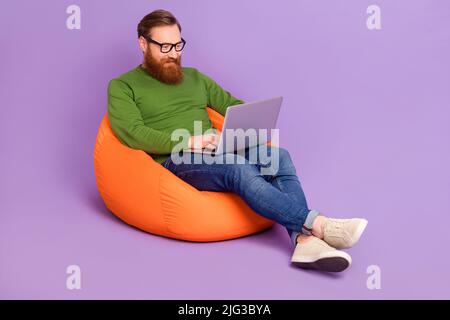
(171, 60)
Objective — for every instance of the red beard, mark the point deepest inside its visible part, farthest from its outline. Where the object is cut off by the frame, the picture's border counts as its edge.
(164, 71)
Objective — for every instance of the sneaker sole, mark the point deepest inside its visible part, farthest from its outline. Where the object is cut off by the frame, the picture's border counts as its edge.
(328, 262)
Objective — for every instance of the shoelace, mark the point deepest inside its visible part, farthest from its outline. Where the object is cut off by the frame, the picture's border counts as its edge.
(338, 226)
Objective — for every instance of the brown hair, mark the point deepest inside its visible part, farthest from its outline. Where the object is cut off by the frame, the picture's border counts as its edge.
(156, 18)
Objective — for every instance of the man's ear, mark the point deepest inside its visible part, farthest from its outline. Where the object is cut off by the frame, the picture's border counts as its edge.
(142, 44)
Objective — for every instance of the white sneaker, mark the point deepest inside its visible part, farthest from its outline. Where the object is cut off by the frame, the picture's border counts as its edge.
(343, 233)
(317, 254)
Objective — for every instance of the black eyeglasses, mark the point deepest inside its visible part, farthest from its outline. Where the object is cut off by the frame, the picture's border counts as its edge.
(167, 47)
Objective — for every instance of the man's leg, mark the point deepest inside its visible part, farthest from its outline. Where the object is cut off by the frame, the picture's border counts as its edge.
(277, 194)
(284, 177)
(235, 173)
(339, 233)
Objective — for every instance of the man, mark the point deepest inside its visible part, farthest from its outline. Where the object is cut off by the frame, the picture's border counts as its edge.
(146, 104)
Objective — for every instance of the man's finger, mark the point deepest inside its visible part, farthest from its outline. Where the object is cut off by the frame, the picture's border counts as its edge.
(210, 146)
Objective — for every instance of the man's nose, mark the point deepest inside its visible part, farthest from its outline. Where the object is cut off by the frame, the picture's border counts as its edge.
(173, 54)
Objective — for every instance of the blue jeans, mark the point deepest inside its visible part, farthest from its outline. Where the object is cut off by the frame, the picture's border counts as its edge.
(277, 194)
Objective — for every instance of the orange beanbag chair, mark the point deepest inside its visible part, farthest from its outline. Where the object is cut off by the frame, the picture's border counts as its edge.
(144, 194)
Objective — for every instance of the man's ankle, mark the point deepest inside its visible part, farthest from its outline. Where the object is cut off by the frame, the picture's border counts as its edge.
(301, 238)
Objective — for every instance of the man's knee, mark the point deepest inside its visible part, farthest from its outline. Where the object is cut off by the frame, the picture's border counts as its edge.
(280, 159)
(241, 173)
(283, 153)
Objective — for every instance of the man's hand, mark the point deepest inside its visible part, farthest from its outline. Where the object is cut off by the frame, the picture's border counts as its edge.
(207, 141)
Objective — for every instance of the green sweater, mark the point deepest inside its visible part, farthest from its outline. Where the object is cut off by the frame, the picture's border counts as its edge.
(143, 111)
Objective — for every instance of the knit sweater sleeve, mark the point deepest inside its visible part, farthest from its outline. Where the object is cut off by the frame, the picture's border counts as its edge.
(218, 98)
(127, 123)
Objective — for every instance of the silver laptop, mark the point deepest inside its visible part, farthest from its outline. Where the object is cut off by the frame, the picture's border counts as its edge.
(261, 114)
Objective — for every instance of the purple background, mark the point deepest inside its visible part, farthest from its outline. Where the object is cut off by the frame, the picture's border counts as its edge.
(365, 117)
